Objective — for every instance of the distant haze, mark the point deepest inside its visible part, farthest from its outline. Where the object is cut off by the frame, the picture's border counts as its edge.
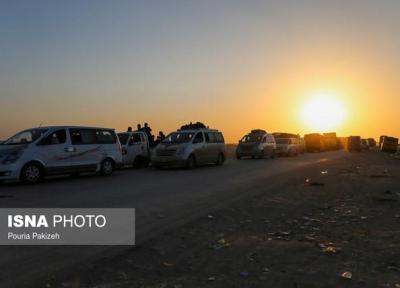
(235, 65)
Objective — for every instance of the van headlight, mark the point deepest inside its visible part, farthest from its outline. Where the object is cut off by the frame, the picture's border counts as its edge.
(11, 158)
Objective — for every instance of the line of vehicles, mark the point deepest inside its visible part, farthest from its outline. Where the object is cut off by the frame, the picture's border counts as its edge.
(32, 154)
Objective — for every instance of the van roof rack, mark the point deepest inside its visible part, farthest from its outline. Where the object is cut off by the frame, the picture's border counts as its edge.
(285, 135)
(258, 131)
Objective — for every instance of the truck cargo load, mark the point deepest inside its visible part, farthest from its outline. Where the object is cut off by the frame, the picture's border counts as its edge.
(354, 143)
(313, 142)
(388, 144)
(329, 141)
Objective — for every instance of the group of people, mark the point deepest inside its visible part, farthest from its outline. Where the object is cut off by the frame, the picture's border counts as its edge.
(146, 129)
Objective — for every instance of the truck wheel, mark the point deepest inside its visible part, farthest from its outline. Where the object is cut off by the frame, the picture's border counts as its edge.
(32, 173)
(221, 159)
(107, 167)
(191, 162)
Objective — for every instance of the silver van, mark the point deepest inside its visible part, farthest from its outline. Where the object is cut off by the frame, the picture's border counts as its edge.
(288, 144)
(190, 148)
(34, 153)
(258, 143)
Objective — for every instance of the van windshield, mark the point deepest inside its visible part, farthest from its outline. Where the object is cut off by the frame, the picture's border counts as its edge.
(179, 137)
(25, 137)
(252, 138)
(282, 141)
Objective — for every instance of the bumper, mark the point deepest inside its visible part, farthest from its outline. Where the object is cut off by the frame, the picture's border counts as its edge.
(249, 153)
(168, 161)
(9, 172)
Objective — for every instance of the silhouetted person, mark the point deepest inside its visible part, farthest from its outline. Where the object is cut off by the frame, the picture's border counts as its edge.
(160, 136)
(139, 127)
(146, 129)
(129, 129)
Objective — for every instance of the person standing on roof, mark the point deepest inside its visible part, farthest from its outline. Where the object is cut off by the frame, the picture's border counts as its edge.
(146, 129)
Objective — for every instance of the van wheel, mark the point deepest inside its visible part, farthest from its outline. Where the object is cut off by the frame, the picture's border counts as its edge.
(32, 173)
(191, 162)
(273, 154)
(107, 167)
(238, 156)
(221, 159)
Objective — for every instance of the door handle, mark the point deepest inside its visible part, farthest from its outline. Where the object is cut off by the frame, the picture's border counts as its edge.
(69, 149)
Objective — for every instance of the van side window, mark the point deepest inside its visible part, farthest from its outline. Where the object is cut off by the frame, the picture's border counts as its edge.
(198, 138)
(219, 138)
(210, 137)
(82, 136)
(105, 137)
(56, 137)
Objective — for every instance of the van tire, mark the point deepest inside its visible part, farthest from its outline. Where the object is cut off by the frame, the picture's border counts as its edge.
(220, 160)
(32, 172)
(191, 162)
(107, 167)
(273, 154)
(238, 156)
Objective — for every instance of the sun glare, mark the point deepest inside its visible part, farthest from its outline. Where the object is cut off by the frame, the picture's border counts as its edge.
(323, 113)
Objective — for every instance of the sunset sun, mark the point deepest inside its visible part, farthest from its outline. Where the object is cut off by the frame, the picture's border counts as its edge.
(323, 112)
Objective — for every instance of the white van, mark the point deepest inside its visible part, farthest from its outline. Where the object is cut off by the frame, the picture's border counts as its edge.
(287, 144)
(135, 148)
(258, 143)
(190, 148)
(34, 153)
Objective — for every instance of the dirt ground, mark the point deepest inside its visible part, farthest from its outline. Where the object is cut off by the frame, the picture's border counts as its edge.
(330, 225)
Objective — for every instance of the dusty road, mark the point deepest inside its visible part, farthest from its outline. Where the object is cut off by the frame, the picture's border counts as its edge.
(163, 200)
(332, 224)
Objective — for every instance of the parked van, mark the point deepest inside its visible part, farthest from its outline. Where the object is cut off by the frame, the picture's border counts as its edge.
(34, 153)
(287, 144)
(135, 148)
(258, 143)
(190, 148)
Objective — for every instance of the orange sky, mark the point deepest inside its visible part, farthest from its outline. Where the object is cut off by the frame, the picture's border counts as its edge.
(231, 65)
